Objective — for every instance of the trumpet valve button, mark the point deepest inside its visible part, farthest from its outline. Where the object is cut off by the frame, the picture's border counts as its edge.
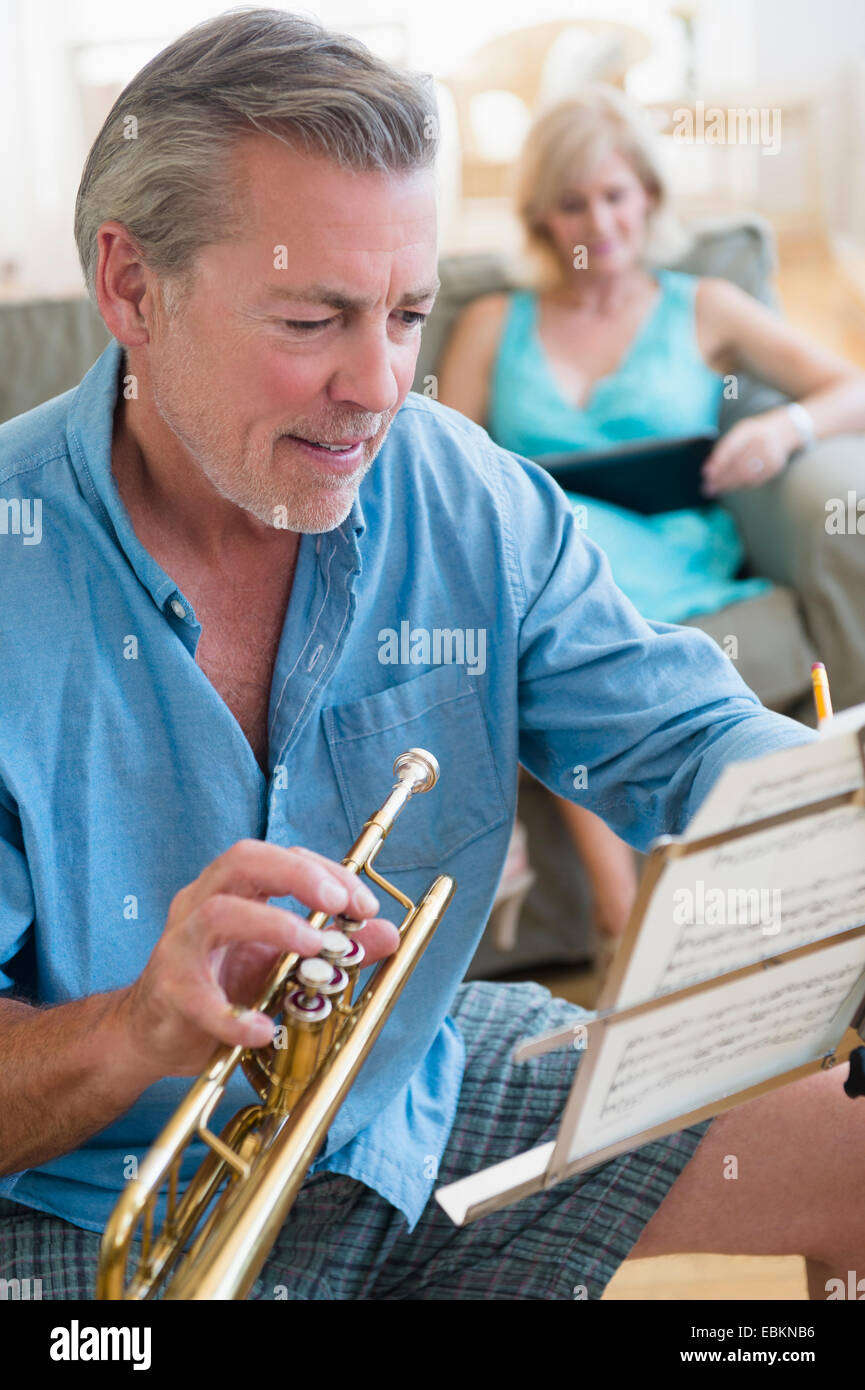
(306, 1007)
(337, 982)
(354, 958)
(348, 925)
(313, 972)
(335, 945)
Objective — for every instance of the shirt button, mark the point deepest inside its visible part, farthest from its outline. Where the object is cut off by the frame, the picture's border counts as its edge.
(177, 608)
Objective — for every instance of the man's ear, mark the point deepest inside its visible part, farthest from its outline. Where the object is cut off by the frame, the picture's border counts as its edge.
(124, 286)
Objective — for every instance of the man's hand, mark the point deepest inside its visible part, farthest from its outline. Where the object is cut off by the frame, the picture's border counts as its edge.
(750, 453)
(220, 942)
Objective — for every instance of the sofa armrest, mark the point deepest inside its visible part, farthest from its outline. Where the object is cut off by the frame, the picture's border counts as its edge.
(789, 536)
(783, 523)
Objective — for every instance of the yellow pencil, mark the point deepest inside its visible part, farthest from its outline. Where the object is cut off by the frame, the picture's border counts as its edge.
(822, 698)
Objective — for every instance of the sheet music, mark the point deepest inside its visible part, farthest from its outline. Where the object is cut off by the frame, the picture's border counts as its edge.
(676, 1058)
(716, 910)
(846, 721)
(713, 911)
(784, 780)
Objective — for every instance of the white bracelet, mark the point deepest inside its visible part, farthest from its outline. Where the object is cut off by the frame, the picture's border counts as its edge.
(804, 424)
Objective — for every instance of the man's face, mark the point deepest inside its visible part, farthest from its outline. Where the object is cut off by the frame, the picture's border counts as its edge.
(304, 333)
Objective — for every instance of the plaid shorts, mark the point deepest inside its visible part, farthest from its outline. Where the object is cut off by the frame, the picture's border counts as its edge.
(343, 1241)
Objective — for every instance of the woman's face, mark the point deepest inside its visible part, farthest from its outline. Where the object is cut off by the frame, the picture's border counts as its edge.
(604, 211)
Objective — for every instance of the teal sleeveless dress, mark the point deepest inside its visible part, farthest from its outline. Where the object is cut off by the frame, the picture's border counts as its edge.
(674, 565)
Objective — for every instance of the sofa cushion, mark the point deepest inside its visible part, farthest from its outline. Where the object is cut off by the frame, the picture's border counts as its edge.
(770, 650)
(46, 347)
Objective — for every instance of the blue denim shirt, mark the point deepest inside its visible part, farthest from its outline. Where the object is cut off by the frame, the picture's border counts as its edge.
(123, 773)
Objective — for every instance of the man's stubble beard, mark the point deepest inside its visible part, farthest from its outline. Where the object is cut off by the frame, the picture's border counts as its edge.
(309, 504)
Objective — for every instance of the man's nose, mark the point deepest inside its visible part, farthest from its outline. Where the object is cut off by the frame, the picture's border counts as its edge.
(365, 376)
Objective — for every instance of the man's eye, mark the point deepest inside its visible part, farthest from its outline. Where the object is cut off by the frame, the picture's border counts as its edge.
(410, 318)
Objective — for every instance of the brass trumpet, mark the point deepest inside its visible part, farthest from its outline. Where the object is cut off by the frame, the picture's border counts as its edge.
(236, 1202)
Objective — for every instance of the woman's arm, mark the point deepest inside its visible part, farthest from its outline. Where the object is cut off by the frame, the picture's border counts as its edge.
(466, 367)
(609, 864)
(736, 333)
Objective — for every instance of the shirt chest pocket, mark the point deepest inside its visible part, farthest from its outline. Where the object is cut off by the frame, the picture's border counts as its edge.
(438, 711)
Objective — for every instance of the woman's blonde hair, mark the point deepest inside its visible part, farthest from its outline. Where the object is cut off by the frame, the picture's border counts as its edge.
(574, 135)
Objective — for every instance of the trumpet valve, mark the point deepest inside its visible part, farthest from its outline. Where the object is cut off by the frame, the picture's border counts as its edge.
(338, 947)
(354, 959)
(335, 946)
(297, 1048)
(346, 926)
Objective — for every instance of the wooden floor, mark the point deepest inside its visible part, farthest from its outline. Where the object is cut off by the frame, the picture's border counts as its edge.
(822, 298)
(686, 1278)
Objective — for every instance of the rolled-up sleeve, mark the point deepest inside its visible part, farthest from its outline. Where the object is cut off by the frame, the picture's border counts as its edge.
(632, 719)
(16, 893)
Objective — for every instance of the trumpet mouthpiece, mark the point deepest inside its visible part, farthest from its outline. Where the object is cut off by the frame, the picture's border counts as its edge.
(419, 766)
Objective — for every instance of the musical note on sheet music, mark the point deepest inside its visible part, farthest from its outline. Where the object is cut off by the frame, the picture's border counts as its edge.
(680, 944)
(670, 1060)
(726, 1030)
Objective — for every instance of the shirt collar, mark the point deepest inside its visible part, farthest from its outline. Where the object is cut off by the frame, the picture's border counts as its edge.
(89, 433)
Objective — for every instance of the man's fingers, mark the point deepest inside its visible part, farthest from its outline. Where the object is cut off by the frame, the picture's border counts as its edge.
(258, 869)
(378, 938)
(209, 1008)
(225, 920)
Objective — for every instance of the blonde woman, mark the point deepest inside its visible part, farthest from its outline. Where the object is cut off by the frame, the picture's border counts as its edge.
(606, 347)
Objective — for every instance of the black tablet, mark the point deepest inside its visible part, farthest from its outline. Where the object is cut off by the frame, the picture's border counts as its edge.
(646, 475)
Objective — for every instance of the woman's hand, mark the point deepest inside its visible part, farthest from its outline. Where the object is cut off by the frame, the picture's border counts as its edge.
(750, 453)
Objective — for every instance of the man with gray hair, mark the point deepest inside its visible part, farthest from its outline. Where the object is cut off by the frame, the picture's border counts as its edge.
(237, 500)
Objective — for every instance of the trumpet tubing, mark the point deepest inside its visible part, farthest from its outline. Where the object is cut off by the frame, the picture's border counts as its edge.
(262, 1156)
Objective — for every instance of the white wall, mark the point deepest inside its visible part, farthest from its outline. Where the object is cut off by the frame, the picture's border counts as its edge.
(46, 48)
(802, 45)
